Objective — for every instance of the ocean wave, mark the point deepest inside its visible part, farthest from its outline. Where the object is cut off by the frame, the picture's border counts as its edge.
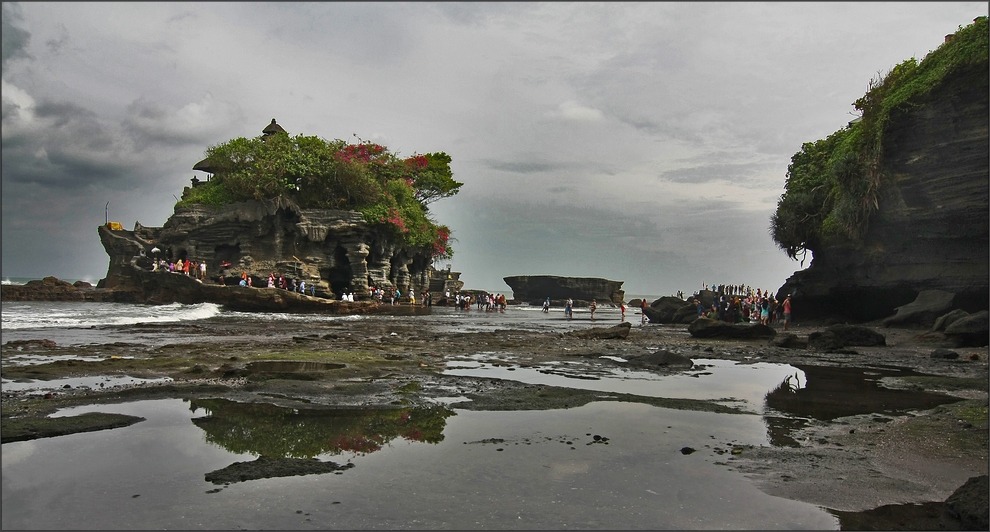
(69, 315)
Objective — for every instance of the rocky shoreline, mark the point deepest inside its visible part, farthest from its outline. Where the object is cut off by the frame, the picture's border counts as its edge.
(851, 463)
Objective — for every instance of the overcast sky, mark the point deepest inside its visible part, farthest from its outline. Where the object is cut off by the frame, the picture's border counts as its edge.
(640, 142)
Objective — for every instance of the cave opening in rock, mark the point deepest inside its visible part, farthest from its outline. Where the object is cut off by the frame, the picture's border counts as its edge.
(340, 274)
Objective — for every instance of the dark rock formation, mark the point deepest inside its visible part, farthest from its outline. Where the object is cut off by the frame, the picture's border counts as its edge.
(536, 288)
(332, 251)
(925, 309)
(945, 320)
(842, 335)
(931, 229)
(944, 354)
(709, 328)
(620, 331)
(790, 341)
(664, 309)
(971, 331)
(47, 289)
(968, 508)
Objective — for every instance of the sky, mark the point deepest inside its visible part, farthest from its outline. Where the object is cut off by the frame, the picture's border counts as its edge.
(640, 142)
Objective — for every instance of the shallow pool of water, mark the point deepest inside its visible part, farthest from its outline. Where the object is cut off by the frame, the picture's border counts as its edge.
(99, 381)
(709, 379)
(534, 469)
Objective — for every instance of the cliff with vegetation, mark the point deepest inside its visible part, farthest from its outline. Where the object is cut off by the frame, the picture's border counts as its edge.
(341, 217)
(897, 202)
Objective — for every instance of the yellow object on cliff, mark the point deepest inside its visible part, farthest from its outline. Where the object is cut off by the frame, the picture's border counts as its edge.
(115, 226)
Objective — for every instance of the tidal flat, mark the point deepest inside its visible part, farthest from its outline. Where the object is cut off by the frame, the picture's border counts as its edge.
(472, 420)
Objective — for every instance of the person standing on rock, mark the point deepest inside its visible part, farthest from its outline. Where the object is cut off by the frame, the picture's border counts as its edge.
(787, 311)
(642, 310)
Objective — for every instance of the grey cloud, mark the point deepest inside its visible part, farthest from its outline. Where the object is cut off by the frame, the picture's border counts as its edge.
(55, 45)
(712, 172)
(521, 167)
(13, 38)
(63, 146)
(149, 123)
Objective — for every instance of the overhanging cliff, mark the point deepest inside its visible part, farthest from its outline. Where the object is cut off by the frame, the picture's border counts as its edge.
(930, 229)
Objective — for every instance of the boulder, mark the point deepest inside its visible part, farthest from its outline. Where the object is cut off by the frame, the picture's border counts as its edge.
(789, 340)
(709, 328)
(857, 335)
(620, 331)
(967, 508)
(971, 331)
(948, 319)
(686, 314)
(826, 341)
(663, 310)
(924, 309)
(945, 354)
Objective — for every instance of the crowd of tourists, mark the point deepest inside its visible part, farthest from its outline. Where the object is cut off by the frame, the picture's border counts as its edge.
(187, 267)
(743, 304)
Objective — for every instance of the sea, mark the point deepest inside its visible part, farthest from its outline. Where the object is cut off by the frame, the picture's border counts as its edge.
(604, 465)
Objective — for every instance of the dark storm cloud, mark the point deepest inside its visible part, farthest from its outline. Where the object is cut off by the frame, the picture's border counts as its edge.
(62, 145)
(14, 39)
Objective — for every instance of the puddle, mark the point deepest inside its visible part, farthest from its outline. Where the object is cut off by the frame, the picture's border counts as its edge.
(709, 379)
(31, 360)
(279, 366)
(101, 381)
(472, 470)
(828, 393)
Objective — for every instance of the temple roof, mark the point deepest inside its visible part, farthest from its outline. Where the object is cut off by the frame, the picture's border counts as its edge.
(273, 128)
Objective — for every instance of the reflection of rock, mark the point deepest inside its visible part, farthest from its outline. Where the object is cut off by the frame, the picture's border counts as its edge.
(265, 467)
(831, 392)
(662, 358)
(620, 331)
(47, 427)
(539, 287)
(275, 431)
(709, 328)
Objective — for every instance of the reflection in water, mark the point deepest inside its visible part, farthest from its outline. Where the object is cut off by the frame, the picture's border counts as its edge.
(280, 432)
(830, 392)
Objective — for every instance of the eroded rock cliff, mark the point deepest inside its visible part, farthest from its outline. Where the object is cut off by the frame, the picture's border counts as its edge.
(930, 230)
(333, 251)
